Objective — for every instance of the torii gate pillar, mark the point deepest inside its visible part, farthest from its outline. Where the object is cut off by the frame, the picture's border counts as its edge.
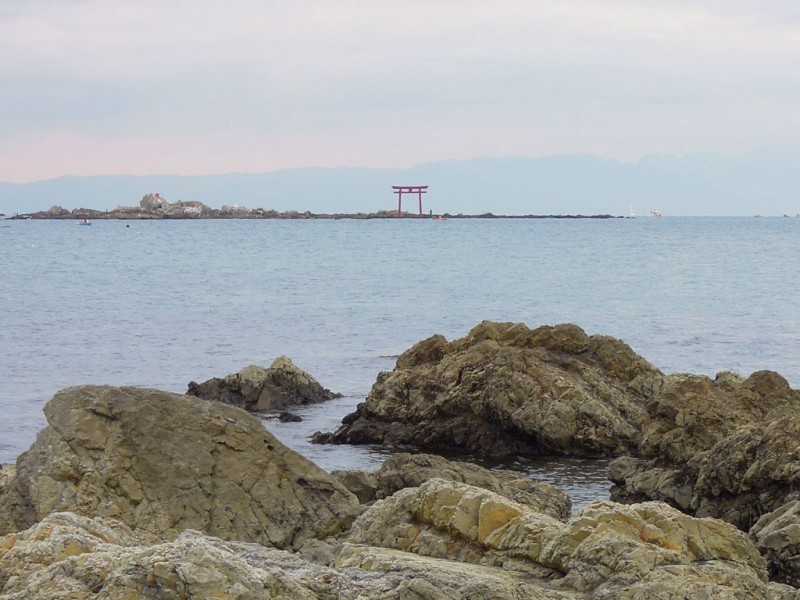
(409, 189)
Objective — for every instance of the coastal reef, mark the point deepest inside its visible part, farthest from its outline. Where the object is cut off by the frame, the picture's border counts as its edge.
(139, 493)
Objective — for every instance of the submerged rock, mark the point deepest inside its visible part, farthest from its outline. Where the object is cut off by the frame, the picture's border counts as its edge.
(507, 389)
(405, 470)
(163, 463)
(257, 389)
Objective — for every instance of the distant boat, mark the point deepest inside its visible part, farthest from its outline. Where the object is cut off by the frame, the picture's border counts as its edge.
(655, 213)
(85, 222)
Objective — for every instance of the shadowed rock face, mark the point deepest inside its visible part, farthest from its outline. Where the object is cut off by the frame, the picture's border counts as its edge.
(507, 389)
(725, 448)
(163, 463)
(257, 389)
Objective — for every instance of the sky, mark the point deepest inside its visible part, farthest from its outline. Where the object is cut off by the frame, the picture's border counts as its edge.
(206, 87)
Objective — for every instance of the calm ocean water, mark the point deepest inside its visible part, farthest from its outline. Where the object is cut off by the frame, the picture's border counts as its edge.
(162, 303)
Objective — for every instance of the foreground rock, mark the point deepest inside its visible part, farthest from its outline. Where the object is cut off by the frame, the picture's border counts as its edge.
(504, 550)
(257, 389)
(506, 389)
(650, 550)
(607, 551)
(405, 470)
(163, 463)
(67, 556)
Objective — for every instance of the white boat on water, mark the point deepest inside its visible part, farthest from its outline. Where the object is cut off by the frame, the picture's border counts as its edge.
(655, 213)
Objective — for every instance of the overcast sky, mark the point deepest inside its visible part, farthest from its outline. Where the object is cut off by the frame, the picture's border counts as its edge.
(201, 86)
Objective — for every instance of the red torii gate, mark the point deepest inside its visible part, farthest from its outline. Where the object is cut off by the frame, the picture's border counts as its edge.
(409, 189)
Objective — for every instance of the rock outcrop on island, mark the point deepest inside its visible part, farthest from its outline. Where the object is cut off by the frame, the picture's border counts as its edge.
(163, 463)
(154, 206)
(507, 389)
(257, 389)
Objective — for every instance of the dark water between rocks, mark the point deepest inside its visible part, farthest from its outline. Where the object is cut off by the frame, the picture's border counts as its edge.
(159, 304)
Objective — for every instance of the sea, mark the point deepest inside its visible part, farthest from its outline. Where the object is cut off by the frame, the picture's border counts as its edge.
(162, 303)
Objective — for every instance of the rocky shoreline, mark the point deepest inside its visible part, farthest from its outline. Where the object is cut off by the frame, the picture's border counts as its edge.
(132, 492)
(154, 207)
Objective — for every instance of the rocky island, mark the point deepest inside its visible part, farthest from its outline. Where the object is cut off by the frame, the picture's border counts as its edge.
(132, 492)
(153, 206)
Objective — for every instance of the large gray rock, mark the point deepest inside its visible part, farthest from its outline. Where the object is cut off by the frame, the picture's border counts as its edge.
(507, 389)
(777, 536)
(163, 463)
(752, 472)
(258, 389)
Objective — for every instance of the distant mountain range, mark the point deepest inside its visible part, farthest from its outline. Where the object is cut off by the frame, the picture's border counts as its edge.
(765, 182)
